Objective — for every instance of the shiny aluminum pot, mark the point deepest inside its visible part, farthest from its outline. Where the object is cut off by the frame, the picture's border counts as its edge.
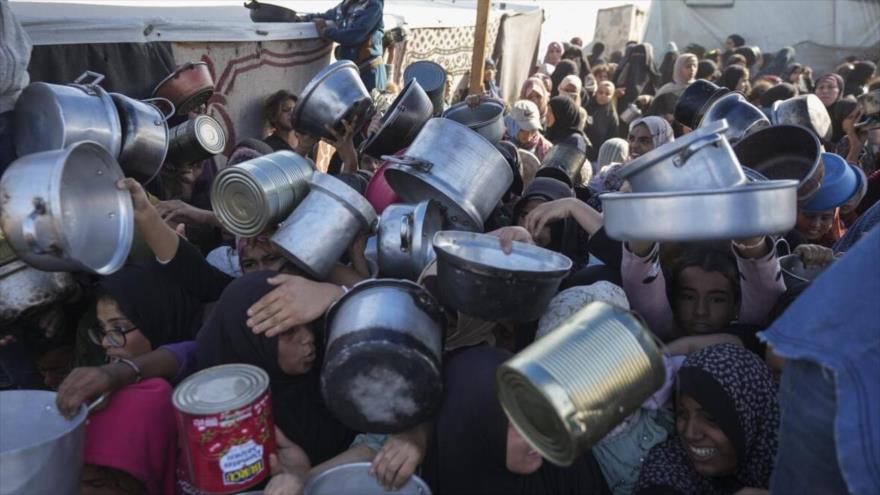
(742, 117)
(25, 288)
(252, 196)
(487, 118)
(195, 140)
(433, 79)
(565, 162)
(61, 210)
(40, 450)
(401, 123)
(355, 479)
(806, 111)
(382, 357)
(405, 237)
(455, 166)
(478, 279)
(335, 94)
(322, 227)
(53, 116)
(699, 160)
(144, 136)
(566, 391)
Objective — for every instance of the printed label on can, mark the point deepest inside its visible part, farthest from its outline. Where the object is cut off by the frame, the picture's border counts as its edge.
(242, 463)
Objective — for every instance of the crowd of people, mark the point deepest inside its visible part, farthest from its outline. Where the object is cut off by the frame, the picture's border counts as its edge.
(193, 296)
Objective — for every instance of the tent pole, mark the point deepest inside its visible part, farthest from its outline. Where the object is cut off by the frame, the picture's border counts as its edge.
(478, 61)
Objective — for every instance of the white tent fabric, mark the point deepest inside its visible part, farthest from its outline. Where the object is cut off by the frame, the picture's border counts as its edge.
(822, 32)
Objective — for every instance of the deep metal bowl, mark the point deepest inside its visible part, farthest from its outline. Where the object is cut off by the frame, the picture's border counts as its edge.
(336, 93)
(487, 118)
(401, 124)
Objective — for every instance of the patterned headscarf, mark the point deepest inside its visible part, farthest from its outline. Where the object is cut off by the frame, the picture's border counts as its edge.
(569, 301)
(737, 388)
(607, 180)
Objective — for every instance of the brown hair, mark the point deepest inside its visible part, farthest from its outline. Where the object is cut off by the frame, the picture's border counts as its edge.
(274, 102)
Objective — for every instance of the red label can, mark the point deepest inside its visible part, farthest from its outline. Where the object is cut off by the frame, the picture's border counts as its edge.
(224, 418)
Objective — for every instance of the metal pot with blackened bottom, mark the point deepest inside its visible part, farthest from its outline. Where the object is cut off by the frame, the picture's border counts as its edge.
(384, 341)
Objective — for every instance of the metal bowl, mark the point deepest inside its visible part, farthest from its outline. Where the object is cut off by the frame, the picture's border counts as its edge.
(401, 123)
(695, 101)
(742, 117)
(753, 209)
(355, 479)
(796, 273)
(478, 279)
(336, 93)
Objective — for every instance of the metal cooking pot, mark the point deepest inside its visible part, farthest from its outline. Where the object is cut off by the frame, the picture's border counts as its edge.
(742, 117)
(382, 359)
(322, 227)
(696, 100)
(25, 288)
(804, 110)
(252, 196)
(61, 210)
(455, 166)
(53, 116)
(336, 93)
(478, 279)
(40, 450)
(401, 123)
(195, 140)
(699, 160)
(487, 118)
(144, 136)
(631, 113)
(749, 210)
(796, 273)
(785, 152)
(432, 78)
(355, 479)
(566, 391)
(188, 87)
(405, 238)
(567, 159)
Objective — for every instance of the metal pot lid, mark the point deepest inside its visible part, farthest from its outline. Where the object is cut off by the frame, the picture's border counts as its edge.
(673, 148)
(220, 389)
(430, 75)
(483, 251)
(210, 134)
(487, 112)
(346, 196)
(355, 479)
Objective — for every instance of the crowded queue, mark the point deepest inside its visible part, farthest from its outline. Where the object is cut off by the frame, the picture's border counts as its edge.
(744, 334)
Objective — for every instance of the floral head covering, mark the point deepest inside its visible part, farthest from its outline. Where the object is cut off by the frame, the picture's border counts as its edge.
(567, 302)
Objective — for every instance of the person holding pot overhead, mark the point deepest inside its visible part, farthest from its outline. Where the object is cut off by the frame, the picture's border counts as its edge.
(818, 221)
(359, 31)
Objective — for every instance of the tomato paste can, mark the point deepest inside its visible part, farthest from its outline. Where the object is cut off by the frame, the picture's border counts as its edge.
(224, 420)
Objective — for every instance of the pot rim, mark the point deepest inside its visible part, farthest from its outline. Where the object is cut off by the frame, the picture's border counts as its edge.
(127, 105)
(353, 201)
(180, 70)
(491, 102)
(77, 422)
(390, 117)
(360, 466)
(659, 156)
(484, 269)
(317, 80)
(427, 63)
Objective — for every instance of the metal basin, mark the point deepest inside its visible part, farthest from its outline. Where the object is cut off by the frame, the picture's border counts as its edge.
(478, 279)
(698, 160)
(742, 117)
(756, 208)
(355, 479)
(333, 95)
(405, 239)
(61, 210)
(487, 118)
(401, 123)
(455, 166)
(144, 136)
(382, 360)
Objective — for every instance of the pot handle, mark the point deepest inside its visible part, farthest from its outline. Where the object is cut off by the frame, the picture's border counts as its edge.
(29, 227)
(100, 400)
(680, 159)
(423, 165)
(406, 232)
(167, 102)
(82, 78)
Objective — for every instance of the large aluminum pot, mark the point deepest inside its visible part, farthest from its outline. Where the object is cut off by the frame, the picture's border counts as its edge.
(755, 208)
(195, 140)
(699, 160)
(40, 450)
(61, 210)
(405, 238)
(569, 389)
(25, 288)
(335, 94)
(565, 162)
(478, 279)
(355, 479)
(742, 117)
(53, 116)
(144, 136)
(401, 123)
(322, 227)
(188, 87)
(254, 195)
(487, 118)
(382, 357)
(804, 110)
(455, 166)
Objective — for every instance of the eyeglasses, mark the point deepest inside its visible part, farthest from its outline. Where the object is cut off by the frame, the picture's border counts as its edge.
(115, 335)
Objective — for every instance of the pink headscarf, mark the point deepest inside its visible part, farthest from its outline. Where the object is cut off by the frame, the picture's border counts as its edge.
(535, 85)
(137, 434)
(554, 57)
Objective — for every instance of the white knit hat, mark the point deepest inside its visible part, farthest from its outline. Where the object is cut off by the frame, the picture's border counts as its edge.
(15, 54)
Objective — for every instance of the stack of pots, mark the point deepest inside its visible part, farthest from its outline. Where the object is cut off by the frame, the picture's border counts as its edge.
(255, 195)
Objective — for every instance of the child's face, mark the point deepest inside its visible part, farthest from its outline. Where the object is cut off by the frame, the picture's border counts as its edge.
(704, 301)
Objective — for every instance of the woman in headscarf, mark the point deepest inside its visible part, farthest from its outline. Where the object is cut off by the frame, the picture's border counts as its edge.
(735, 78)
(683, 75)
(648, 133)
(605, 122)
(564, 69)
(553, 54)
(801, 77)
(780, 92)
(614, 150)
(727, 419)
(140, 308)
(595, 57)
(576, 55)
(667, 66)
(830, 89)
(564, 122)
(572, 87)
(475, 449)
(857, 80)
(636, 75)
(535, 91)
(291, 359)
(707, 69)
(780, 63)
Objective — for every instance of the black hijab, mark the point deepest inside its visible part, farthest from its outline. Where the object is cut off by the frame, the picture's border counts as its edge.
(604, 126)
(780, 63)
(858, 78)
(667, 67)
(731, 77)
(566, 119)
(469, 445)
(576, 55)
(780, 92)
(563, 69)
(707, 69)
(297, 407)
(637, 74)
(595, 58)
(162, 310)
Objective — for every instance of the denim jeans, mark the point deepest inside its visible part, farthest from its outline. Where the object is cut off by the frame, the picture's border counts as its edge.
(807, 456)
